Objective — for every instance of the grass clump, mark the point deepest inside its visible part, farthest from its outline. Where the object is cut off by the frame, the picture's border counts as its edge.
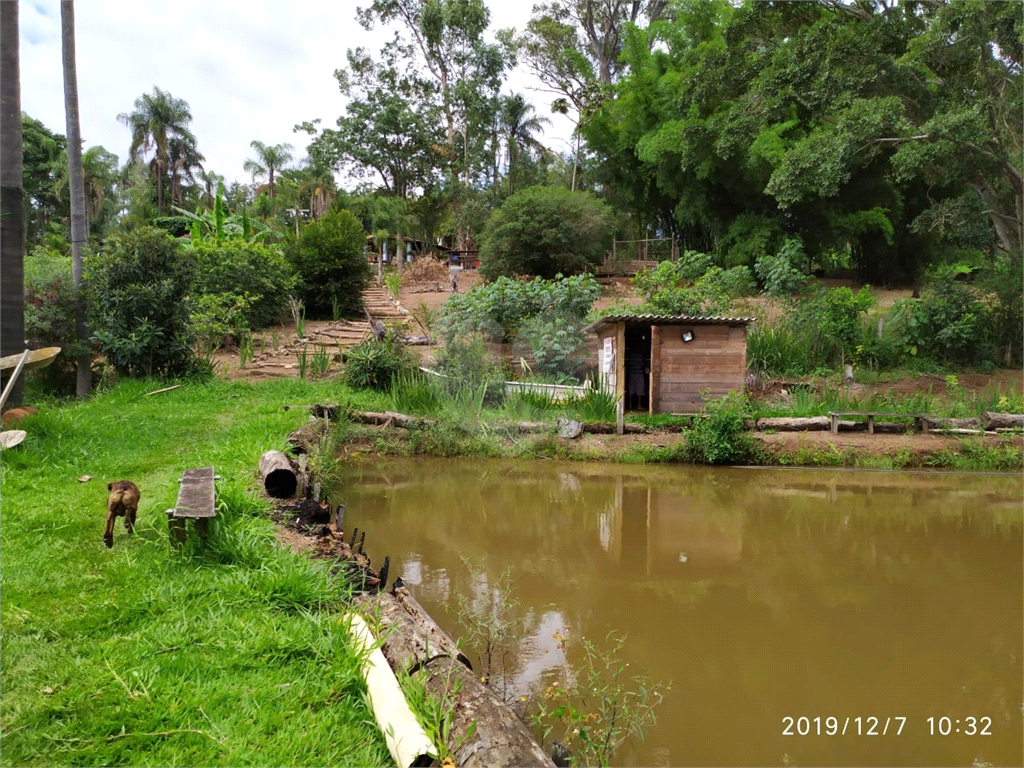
(225, 652)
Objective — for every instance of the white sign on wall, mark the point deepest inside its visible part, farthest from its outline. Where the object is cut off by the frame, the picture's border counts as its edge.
(606, 358)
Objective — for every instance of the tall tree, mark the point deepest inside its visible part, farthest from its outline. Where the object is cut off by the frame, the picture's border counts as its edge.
(184, 160)
(100, 173)
(391, 127)
(210, 181)
(157, 118)
(574, 48)
(870, 129)
(12, 211)
(447, 36)
(41, 149)
(76, 182)
(519, 125)
(269, 159)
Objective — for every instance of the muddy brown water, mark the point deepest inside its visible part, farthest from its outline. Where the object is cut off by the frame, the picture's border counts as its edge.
(761, 595)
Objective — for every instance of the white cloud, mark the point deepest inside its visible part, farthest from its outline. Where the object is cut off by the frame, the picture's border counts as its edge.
(249, 69)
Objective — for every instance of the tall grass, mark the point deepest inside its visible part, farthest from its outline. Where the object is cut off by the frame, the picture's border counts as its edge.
(226, 652)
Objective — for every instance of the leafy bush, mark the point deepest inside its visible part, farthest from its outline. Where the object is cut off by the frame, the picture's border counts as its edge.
(50, 315)
(545, 231)
(245, 269)
(719, 437)
(498, 309)
(467, 361)
(219, 319)
(1002, 281)
(374, 364)
(175, 226)
(949, 324)
(555, 343)
(328, 259)
(831, 323)
(785, 272)
(140, 316)
(670, 288)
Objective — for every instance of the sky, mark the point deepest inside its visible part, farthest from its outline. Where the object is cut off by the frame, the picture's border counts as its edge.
(249, 69)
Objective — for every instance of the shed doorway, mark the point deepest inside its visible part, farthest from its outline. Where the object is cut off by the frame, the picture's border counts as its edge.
(638, 368)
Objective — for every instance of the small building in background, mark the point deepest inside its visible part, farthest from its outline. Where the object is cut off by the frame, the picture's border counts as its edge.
(668, 363)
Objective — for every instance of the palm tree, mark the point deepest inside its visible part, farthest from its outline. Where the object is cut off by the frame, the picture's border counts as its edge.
(76, 181)
(12, 212)
(100, 175)
(519, 124)
(158, 118)
(183, 157)
(210, 181)
(268, 160)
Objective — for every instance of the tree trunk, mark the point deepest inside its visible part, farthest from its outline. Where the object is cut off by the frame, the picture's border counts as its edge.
(992, 420)
(76, 180)
(483, 730)
(12, 211)
(799, 424)
(279, 478)
(411, 637)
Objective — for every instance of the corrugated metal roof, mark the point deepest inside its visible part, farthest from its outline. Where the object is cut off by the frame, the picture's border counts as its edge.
(670, 320)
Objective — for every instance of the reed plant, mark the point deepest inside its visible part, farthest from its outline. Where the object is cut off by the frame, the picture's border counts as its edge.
(320, 363)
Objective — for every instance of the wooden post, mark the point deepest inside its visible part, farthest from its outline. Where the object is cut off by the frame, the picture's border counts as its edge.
(654, 396)
(620, 377)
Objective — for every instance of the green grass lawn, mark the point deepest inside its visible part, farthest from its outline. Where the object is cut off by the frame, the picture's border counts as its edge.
(226, 653)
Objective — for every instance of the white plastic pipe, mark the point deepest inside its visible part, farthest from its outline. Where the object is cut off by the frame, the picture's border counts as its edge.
(406, 740)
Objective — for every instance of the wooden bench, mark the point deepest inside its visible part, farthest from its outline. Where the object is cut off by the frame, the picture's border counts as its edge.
(195, 502)
(919, 418)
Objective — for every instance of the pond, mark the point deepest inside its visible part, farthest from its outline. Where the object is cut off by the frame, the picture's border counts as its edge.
(771, 599)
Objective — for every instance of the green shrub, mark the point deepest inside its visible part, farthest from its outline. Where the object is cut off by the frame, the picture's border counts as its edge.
(555, 343)
(175, 226)
(140, 316)
(219, 319)
(330, 264)
(719, 437)
(785, 272)
(245, 269)
(373, 364)
(50, 316)
(831, 325)
(545, 231)
(948, 324)
(498, 309)
(466, 361)
(669, 288)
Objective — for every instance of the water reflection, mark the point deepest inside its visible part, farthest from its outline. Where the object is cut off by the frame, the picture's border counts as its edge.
(760, 594)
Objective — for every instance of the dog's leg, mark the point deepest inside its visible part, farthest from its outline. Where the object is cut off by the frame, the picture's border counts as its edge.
(108, 534)
(129, 521)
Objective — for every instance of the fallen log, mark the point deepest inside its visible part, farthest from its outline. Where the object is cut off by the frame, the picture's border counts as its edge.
(483, 730)
(953, 423)
(607, 428)
(807, 424)
(307, 438)
(992, 420)
(410, 637)
(391, 417)
(279, 477)
(953, 431)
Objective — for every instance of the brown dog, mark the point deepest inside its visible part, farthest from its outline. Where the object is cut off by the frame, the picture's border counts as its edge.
(123, 501)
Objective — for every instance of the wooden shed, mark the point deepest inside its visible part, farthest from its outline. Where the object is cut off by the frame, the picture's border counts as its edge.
(664, 363)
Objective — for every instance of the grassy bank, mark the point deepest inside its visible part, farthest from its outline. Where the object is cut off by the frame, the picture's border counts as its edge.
(474, 421)
(228, 653)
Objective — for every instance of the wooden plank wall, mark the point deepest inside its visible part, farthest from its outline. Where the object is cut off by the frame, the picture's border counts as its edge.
(715, 360)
